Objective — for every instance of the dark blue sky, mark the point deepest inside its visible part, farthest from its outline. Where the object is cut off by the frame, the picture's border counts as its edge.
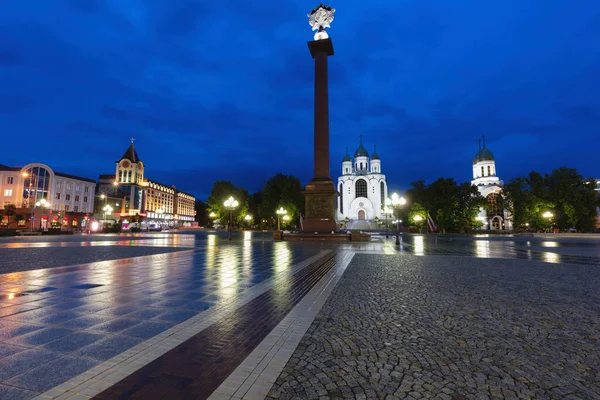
(224, 89)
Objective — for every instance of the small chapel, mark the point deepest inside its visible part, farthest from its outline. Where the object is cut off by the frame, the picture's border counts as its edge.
(362, 187)
(495, 216)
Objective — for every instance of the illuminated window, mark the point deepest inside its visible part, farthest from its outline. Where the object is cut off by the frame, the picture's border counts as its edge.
(361, 188)
(8, 192)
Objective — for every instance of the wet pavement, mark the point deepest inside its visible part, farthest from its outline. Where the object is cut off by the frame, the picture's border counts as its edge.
(89, 298)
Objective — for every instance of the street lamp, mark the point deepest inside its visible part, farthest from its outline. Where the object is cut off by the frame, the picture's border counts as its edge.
(248, 218)
(280, 212)
(548, 215)
(418, 219)
(387, 211)
(397, 203)
(230, 204)
(107, 209)
(286, 218)
(40, 203)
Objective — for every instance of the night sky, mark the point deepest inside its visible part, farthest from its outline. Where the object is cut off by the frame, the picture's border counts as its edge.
(223, 90)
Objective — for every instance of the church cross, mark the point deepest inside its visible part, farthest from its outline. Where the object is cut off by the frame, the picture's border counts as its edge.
(132, 140)
(483, 138)
(361, 139)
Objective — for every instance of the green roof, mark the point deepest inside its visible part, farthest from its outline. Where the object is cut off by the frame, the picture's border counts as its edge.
(375, 156)
(483, 155)
(361, 151)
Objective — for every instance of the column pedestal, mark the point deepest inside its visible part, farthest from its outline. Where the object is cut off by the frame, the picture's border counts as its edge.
(320, 212)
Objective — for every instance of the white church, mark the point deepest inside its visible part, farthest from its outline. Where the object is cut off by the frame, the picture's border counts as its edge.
(490, 187)
(362, 187)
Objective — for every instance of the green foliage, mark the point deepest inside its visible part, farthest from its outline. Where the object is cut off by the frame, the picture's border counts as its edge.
(9, 211)
(281, 191)
(220, 192)
(452, 206)
(201, 213)
(570, 198)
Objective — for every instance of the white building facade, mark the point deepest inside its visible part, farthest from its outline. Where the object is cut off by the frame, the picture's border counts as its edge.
(495, 216)
(362, 187)
(59, 198)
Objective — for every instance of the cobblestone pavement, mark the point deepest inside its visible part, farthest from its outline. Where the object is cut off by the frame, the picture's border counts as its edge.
(401, 326)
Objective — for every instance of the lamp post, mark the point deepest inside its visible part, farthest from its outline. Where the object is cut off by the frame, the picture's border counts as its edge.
(248, 218)
(548, 215)
(387, 211)
(230, 204)
(286, 218)
(107, 209)
(397, 203)
(417, 218)
(280, 212)
(40, 203)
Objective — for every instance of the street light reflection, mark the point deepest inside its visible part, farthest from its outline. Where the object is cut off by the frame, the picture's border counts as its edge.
(551, 257)
(419, 246)
(482, 248)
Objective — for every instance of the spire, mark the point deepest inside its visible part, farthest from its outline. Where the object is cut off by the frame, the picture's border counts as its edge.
(130, 154)
(375, 156)
(347, 156)
(483, 138)
(361, 151)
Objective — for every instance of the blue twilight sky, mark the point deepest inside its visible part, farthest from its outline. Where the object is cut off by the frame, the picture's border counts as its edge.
(224, 89)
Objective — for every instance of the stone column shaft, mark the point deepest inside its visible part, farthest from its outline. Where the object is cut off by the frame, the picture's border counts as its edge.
(321, 136)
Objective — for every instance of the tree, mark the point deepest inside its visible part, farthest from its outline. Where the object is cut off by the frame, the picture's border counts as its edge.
(220, 192)
(201, 213)
(453, 207)
(468, 204)
(9, 211)
(570, 198)
(281, 191)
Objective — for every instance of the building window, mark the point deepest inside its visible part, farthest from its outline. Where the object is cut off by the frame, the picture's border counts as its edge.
(8, 192)
(341, 198)
(120, 176)
(489, 170)
(67, 207)
(84, 209)
(85, 199)
(57, 196)
(67, 197)
(77, 198)
(68, 186)
(86, 189)
(10, 180)
(382, 190)
(76, 208)
(361, 188)
(77, 188)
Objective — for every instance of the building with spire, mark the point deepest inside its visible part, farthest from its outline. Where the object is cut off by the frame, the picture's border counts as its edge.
(495, 216)
(156, 203)
(362, 187)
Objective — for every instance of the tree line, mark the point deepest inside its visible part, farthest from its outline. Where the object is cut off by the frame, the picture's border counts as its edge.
(279, 191)
(564, 194)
